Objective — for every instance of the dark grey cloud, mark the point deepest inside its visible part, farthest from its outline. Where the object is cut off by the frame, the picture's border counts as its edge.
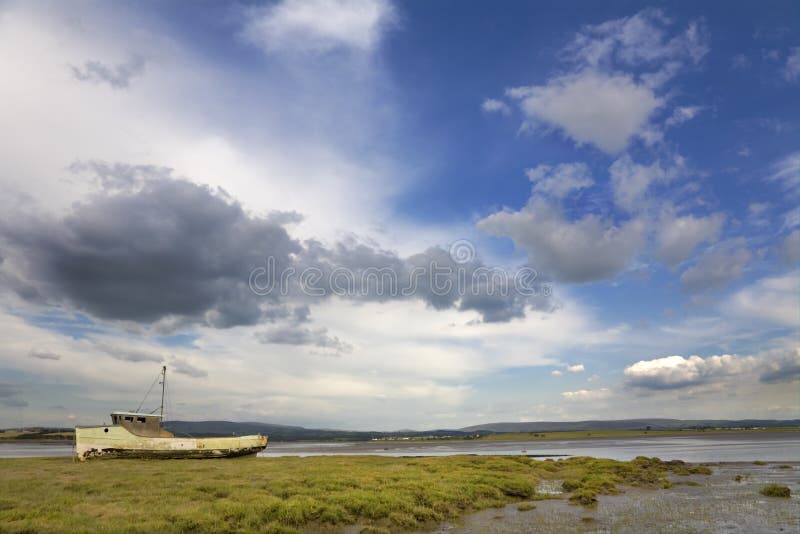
(434, 276)
(44, 355)
(118, 76)
(128, 355)
(717, 267)
(300, 335)
(166, 248)
(152, 249)
(784, 366)
(9, 396)
(183, 367)
(790, 249)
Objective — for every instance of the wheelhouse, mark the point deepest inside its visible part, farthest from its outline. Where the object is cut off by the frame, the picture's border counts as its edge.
(141, 424)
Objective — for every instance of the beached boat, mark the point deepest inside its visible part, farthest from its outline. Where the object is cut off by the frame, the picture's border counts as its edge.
(140, 435)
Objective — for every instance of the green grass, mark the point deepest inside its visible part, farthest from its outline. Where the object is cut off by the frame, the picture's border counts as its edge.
(291, 494)
(775, 490)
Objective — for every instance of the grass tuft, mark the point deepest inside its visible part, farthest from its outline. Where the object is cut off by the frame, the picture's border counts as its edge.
(775, 490)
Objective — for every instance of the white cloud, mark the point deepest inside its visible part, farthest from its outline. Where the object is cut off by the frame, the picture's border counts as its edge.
(587, 394)
(577, 368)
(258, 151)
(418, 372)
(560, 180)
(585, 250)
(683, 114)
(642, 38)
(740, 62)
(605, 110)
(757, 214)
(319, 26)
(719, 266)
(791, 71)
(791, 219)
(771, 299)
(677, 372)
(595, 101)
(491, 105)
(630, 181)
(679, 236)
(757, 208)
(786, 172)
(773, 366)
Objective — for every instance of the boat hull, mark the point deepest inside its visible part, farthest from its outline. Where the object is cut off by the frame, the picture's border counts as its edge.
(117, 442)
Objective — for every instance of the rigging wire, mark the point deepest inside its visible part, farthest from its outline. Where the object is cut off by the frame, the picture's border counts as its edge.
(147, 394)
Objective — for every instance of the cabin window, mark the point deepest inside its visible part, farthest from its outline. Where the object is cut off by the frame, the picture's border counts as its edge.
(140, 419)
(129, 418)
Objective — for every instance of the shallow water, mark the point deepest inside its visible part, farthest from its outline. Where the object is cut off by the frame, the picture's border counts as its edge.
(33, 450)
(733, 447)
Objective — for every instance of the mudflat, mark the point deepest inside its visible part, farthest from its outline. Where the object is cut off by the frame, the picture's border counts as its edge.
(728, 500)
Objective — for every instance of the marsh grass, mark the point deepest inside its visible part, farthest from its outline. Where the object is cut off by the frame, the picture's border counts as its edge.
(775, 490)
(290, 494)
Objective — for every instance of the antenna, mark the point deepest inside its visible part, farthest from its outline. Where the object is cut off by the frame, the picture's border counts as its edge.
(163, 385)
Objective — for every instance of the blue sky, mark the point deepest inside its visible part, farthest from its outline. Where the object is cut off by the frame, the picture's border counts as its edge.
(642, 159)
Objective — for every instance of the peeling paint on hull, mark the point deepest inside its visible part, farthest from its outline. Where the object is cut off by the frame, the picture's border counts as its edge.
(117, 442)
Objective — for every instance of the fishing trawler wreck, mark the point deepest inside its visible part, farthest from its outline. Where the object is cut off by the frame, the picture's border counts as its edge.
(141, 435)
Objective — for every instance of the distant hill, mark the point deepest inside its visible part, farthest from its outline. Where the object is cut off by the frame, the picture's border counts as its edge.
(295, 433)
(299, 433)
(627, 424)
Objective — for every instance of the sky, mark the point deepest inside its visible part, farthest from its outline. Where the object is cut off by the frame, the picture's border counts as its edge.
(383, 215)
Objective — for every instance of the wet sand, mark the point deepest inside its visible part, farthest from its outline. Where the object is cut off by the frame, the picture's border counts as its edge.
(717, 504)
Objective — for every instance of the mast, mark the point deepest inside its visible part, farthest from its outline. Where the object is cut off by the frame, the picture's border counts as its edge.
(163, 385)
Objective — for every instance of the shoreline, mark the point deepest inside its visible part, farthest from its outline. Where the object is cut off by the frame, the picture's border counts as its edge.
(596, 434)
